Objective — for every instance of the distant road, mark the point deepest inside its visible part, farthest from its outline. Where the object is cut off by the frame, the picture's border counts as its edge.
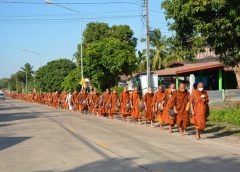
(37, 138)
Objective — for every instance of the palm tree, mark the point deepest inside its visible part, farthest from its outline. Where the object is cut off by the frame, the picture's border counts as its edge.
(158, 50)
(27, 69)
(142, 62)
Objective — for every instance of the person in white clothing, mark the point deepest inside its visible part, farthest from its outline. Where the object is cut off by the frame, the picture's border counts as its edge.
(68, 100)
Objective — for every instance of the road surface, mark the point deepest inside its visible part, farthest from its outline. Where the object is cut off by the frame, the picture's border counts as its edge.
(38, 138)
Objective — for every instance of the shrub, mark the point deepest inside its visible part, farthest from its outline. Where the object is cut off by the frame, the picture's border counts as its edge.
(231, 115)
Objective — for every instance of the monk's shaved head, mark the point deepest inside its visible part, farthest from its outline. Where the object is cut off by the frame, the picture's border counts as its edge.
(135, 88)
(200, 85)
(182, 85)
(172, 86)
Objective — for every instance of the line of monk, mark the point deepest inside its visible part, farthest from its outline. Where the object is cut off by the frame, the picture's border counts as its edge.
(171, 107)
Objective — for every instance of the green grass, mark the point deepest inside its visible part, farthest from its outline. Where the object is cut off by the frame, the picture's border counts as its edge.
(229, 115)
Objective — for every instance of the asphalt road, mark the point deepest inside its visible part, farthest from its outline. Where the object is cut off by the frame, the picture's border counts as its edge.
(38, 138)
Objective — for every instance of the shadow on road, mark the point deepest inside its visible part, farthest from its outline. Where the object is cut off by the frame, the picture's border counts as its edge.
(13, 108)
(6, 142)
(224, 134)
(205, 164)
(18, 116)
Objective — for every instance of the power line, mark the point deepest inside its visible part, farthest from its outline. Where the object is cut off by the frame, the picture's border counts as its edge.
(71, 3)
(34, 19)
(67, 14)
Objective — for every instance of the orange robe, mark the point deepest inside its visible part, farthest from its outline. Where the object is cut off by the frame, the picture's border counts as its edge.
(159, 97)
(113, 101)
(102, 111)
(81, 99)
(95, 99)
(200, 109)
(65, 104)
(180, 100)
(124, 99)
(148, 100)
(135, 98)
(90, 102)
(75, 101)
(168, 105)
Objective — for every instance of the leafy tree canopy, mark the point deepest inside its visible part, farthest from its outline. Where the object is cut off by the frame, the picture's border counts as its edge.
(50, 77)
(206, 22)
(71, 81)
(108, 53)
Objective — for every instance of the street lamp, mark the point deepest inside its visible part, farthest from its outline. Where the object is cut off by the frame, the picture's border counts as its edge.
(36, 53)
(70, 9)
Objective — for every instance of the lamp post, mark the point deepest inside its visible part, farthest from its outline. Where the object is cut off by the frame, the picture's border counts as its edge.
(70, 9)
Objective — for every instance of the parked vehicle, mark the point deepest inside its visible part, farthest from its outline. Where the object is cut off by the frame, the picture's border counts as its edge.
(2, 96)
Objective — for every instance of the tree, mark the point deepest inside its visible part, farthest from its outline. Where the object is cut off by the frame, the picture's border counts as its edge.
(71, 81)
(158, 49)
(50, 77)
(204, 22)
(27, 70)
(108, 53)
(4, 83)
(106, 60)
(141, 62)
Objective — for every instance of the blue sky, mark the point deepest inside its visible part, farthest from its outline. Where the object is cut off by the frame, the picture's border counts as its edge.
(54, 32)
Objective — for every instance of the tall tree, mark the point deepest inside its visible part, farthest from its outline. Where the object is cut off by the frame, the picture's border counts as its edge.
(108, 53)
(27, 69)
(71, 81)
(50, 77)
(158, 49)
(211, 22)
(106, 60)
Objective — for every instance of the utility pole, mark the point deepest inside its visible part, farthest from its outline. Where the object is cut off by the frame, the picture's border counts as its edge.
(26, 80)
(147, 45)
(81, 51)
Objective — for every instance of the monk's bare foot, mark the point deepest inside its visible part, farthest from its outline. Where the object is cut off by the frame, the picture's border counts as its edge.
(170, 130)
(152, 125)
(198, 138)
(161, 127)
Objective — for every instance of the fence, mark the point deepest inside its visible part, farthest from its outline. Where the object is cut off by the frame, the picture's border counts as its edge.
(224, 95)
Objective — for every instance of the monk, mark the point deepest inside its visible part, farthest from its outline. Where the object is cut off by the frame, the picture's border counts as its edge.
(64, 103)
(158, 100)
(200, 109)
(95, 99)
(148, 103)
(105, 97)
(92, 99)
(166, 118)
(180, 100)
(55, 100)
(83, 104)
(135, 100)
(125, 105)
(113, 104)
(75, 100)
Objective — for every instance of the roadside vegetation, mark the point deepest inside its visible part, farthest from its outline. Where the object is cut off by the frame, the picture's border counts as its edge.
(230, 115)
